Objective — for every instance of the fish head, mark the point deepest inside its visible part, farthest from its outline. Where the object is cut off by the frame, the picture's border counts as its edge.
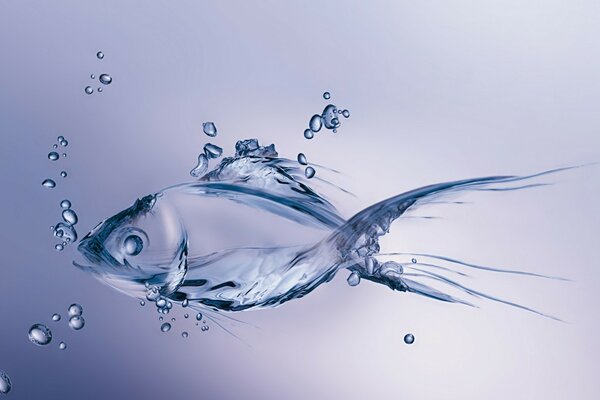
(140, 247)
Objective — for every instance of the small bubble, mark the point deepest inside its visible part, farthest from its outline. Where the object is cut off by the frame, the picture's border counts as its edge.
(105, 79)
(142, 303)
(100, 55)
(184, 335)
(63, 174)
(172, 319)
(186, 316)
(201, 167)
(309, 172)
(60, 139)
(93, 76)
(327, 95)
(353, 279)
(212, 150)
(414, 260)
(199, 316)
(302, 159)
(160, 318)
(69, 216)
(49, 183)
(100, 90)
(185, 303)
(409, 338)
(315, 123)
(75, 310)
(64, 143)
(53, 156)
(62, 345)
(56, 317)
(64, 154)
(77, 322)
(161, 303)
(59, 247)
(40, 334)
(204, 328)
(309, 134)
(346, 114)
(54, 146)
(5, 384)
(166, 327)
(209, 129)
(89, 90)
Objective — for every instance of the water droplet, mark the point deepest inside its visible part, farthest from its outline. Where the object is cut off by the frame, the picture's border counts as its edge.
(5, 384)
(329, 117)
(60, 138)
(65, 232)
(209, 129)
(54, 146)
(184, 335)
(186, 316)
(160, 318)
(56, 317)
(49, 183)
(77, 322)
(346, 114)
(153, 294)
(185, 303)
(315, 123)
(89, 90)
(309, 172)
(64, 154)
(53, 156)
(204, 328)
(59, 247)
(199, 316)
(161, 303)
(142, 303)
(63, 174)
(105, 79)
(409, 338)
(100, 90)
(212, 151)
(64, 143)
(302, 159)
(326, 95)
(133, 245)
(414, 260)
(93, 76)
(100, 55)
(62, 345)
(75, 310)
(353, 279)
(202, 166)
(40, 334)
(69, 216)
(173, 319)
(166, 327)
(309, 134)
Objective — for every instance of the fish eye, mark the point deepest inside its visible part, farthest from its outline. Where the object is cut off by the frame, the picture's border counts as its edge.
(133, 245)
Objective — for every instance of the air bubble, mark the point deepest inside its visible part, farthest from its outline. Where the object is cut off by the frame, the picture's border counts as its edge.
(166, 327)
(409, 338)
(105, 79)
(53, 156)
(315, 123)
(309, 134)
(49, 183)
(40, 335)
(77, 322)
(89, 90)
(100, 55)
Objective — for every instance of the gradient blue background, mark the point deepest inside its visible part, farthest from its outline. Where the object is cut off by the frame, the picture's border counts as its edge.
(438, 90)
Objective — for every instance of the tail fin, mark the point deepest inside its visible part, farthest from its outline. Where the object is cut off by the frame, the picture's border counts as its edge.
(358, 239)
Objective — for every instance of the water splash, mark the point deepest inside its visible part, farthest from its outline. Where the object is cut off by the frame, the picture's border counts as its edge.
(216, 243)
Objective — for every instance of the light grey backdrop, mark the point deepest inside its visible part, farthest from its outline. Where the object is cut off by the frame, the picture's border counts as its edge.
(438, 90)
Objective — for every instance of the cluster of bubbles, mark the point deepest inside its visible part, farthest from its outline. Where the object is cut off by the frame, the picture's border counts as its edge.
(65, 230)
(104, 79)
(210, 151)
(164, 306)
(55, 156)
(41, 335)
(328, 119)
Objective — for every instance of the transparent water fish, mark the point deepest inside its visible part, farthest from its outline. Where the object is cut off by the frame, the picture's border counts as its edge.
(253, 234)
